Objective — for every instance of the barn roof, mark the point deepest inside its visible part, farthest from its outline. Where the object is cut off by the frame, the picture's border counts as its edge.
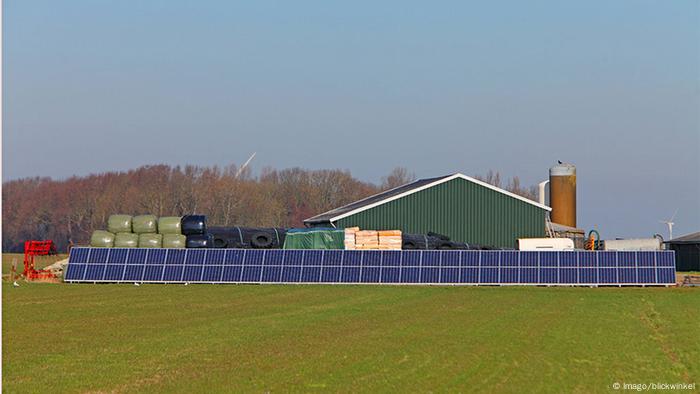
(402, 191)
(689, 238)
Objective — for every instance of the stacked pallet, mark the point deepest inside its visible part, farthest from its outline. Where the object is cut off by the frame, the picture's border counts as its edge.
(390, 239)
(350, 237)
(356, 239)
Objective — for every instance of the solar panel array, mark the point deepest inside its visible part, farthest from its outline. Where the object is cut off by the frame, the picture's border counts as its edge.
(370, 266)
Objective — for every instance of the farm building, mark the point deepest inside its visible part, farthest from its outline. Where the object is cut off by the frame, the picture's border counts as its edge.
(461, 207)
(687, 250)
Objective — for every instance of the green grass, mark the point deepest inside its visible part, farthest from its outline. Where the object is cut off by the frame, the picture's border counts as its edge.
(223, 338)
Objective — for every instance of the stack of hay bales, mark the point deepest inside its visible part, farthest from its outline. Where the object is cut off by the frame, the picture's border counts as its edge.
(143, 231)
(356, 239)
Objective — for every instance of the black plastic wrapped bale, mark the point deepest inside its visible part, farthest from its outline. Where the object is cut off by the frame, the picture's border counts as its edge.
(197, 241)
(193, 225)
(243, 237)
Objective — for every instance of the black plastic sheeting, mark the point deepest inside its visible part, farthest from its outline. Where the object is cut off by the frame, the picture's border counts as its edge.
(248, 238)
(199, 241)
(193, 225)
(434, 241)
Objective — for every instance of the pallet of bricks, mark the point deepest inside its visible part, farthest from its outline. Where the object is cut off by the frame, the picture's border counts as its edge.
(356, 239)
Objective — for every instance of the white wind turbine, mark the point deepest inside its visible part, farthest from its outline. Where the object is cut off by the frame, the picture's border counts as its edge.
(670, 223)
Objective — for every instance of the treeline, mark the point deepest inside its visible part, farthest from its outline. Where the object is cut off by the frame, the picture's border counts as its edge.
(69, 210)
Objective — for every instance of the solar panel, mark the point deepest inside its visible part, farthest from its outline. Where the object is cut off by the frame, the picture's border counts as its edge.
(370, 266)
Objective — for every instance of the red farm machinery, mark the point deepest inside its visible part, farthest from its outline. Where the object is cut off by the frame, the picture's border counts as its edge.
(34, 249)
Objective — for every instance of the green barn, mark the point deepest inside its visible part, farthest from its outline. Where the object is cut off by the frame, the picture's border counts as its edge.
(464, 208)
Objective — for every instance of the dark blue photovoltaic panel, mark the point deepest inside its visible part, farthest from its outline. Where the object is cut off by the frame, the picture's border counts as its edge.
(509, 275)
(469, 275)
(431, 258)
(292, 274)
(193, 273)
(232, 273)
(330, 274)
(411, 258)
(153, 273)
(114, 272)
(272, 273)
(549, 275)
(607, 259)
(212, 273)
(490, 259)
(665, 260)
(509, 259)
(529, 275)
(588, 275)
(529, 259)
(75, 271)
(549, 260)
(410, 275)
(646, 259)
(156, 256)
(449, 275)
(196, 256)
(332, 258)
(370, 266)
(626, 259)
(97, 255)
(173, 273)
(133, 273)
(313, 257)
(310, 274)
(469, 259)
(568, 260)
(647, 275)
(488, 275)
(370, 259)
(175, 256)
(608, 275)
(350, 274)
(79, 255)
(234, 256)
(391, 274)
(274, 257)
(370, 274)
(667, 275)
(95, 272)
(391, 258)
(568, 275)
(587, 259)
(117, 256)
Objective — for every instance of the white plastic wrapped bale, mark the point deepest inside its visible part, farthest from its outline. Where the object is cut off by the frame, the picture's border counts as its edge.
(350, 237)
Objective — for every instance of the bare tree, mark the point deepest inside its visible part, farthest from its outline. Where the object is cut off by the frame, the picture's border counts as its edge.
(397, 177)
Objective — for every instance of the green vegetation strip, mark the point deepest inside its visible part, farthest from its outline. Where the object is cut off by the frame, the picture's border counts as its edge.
(219, 338)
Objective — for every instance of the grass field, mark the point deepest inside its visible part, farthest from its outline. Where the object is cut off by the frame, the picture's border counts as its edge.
(217, 338)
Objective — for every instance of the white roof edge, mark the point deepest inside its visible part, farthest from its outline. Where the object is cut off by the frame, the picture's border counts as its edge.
(437, 182)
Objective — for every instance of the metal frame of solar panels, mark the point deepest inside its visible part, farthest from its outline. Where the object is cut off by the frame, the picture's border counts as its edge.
(426, 267)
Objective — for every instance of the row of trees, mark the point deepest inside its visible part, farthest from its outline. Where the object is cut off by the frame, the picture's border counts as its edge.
(69, 210)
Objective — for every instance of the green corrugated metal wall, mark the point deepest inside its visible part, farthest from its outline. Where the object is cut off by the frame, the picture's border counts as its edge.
(465, 211)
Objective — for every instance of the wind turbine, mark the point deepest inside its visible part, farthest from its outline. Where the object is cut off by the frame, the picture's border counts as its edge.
(240, 170)
(670, 223)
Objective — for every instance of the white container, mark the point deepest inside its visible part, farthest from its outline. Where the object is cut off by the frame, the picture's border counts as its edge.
(545, 244)
(633, 244)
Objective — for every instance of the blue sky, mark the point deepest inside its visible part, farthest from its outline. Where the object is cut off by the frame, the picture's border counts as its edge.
(437, 87)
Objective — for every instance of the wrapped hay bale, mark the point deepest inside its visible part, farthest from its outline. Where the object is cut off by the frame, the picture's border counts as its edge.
(126, 240)
(169, 225)
(390, 239)
(145, 224)
(199, 241)
(174, 241)
(119, 223)
(193, 224)
(102, 239)
(150, 240)
(349, 241)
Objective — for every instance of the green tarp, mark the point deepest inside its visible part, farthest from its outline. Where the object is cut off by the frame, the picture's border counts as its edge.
(314, 239)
